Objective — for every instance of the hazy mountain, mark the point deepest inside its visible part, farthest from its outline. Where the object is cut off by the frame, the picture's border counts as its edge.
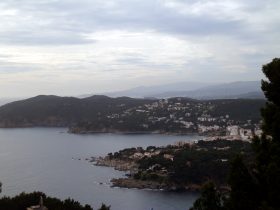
(251, 95)
(7, 100)
(196, 90)
(143, 91)
(244, 89)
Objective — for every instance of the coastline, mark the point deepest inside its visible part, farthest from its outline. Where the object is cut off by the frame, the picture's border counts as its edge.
(162, 168)
(127, 132)
(131, 183)
(75, 130)
(104, 131)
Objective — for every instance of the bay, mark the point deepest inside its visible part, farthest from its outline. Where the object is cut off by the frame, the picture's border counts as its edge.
(53, 161)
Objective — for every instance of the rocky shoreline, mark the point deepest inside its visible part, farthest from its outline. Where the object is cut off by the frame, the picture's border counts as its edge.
(132, 183)
(76, 130)
(177, 167)
(119, 165)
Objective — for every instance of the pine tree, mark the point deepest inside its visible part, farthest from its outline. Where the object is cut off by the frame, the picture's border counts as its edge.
(244, 191)
(268, 146)
(104, 207)
(271, 89)
(210, 198)
(258, 187)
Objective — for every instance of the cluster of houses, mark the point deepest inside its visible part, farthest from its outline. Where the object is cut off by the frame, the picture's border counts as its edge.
(189, 116)
(237, 132)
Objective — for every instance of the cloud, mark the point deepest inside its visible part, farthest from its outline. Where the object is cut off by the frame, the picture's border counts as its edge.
(64, 22)
(134, 42)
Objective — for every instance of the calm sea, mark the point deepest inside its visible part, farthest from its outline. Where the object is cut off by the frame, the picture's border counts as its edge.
(53, 161)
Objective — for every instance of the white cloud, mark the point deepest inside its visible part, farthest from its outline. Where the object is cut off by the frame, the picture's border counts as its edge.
(52, 44)
(216, 8)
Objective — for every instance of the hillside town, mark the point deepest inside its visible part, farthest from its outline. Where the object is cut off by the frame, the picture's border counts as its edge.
(183, 115)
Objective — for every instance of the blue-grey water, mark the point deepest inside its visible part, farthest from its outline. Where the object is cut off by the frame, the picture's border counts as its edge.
(53, 161)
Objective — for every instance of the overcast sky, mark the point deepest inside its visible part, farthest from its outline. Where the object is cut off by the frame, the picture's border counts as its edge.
(72, 47)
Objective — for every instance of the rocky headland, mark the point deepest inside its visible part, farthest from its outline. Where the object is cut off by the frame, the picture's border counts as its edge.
(180, 167)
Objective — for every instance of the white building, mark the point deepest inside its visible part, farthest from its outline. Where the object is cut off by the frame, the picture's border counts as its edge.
(245, 134)
(38, 207)
(233, 130)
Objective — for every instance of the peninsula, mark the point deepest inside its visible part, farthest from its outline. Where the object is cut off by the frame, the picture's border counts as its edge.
(179, 167)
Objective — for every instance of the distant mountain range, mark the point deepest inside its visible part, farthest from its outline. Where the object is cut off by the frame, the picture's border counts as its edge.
(152, 91)
(196, 90)
(249, 89)
(8, 100)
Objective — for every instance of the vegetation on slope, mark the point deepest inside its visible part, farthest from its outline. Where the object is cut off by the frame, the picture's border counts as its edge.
(178, 167)
(254, 187)
(61, 111)
(25, 200)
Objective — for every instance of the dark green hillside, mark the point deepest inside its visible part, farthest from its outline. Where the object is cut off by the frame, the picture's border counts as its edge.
(25, 200)
(238, 109)
(178, 115)
(179, 167)
(62, 111)
(104, 114)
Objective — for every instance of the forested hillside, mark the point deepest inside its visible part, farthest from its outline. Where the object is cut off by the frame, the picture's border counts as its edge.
(105, 114)
(62, 111)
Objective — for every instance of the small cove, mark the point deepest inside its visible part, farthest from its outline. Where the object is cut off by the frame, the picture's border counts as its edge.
(53, 161)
